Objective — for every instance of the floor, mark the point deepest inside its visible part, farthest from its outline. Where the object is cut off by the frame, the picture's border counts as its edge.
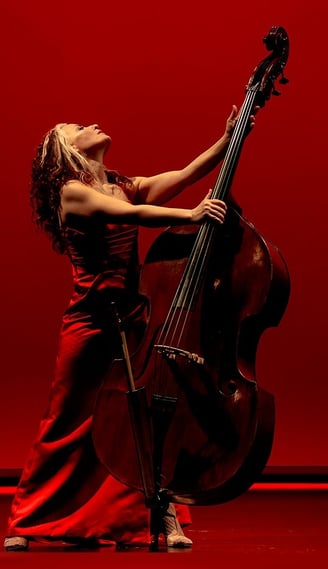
(271, 525)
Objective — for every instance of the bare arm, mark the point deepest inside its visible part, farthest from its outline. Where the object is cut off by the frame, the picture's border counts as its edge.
(79, 200)
(161, 188)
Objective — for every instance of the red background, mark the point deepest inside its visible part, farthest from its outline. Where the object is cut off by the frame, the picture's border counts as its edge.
(161, 77)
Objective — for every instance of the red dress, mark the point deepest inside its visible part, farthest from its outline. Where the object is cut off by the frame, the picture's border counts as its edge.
(65, 492)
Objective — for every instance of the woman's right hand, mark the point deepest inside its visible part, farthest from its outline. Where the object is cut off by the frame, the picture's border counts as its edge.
(209, 209)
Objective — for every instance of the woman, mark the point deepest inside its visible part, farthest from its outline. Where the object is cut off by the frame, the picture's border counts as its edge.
(91, 214)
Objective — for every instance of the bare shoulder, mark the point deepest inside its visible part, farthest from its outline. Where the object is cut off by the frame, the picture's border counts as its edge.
(138, 185)
(77, 199)
(136, 180)
(74, 190)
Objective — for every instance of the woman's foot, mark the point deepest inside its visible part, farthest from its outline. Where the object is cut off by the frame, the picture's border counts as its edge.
(172, 529)
(16, 543)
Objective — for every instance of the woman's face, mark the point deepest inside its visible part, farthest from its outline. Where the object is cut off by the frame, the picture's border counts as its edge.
(87, 139)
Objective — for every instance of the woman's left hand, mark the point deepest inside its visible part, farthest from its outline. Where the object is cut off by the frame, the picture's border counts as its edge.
(233, 117)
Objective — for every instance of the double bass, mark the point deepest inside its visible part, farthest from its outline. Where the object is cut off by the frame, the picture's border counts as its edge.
(204, 425)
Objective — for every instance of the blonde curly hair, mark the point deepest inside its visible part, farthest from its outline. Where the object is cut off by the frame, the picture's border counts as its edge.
(57, 161)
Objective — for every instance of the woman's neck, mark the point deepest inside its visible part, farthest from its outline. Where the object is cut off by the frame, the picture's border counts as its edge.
(99, 169)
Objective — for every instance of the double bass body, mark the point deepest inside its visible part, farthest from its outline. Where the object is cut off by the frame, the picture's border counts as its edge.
(221, 426)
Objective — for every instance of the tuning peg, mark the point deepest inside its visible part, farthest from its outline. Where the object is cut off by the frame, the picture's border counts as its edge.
(283, 80)
(275, 92)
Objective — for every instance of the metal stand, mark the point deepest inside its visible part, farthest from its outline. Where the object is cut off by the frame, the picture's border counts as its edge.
(149, 426)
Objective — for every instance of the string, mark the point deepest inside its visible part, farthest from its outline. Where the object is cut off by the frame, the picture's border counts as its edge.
(188, 290)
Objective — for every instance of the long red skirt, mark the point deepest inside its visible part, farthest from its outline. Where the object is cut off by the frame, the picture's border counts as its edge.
(65, 492)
